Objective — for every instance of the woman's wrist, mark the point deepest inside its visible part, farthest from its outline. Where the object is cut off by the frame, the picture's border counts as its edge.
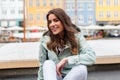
(66, 60)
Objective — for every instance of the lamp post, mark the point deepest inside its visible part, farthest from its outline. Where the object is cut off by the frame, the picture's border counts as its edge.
(76, 12)
(24, 22)
(64, 4)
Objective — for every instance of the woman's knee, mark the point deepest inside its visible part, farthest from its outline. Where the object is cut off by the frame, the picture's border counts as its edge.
(78, 72)
(49, 63)
(81, 70)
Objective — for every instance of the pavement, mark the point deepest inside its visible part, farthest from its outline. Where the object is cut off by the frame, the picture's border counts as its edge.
(31, 74)
(104, 75)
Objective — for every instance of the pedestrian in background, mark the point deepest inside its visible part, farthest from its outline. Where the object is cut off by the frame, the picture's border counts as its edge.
(64, 53)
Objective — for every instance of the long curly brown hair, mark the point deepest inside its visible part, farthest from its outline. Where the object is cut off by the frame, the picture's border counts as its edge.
(69, 32)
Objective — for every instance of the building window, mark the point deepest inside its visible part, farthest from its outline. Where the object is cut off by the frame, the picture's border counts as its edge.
(44, 2)
(31, 17)
(4, 23)
(101, 14)
(72, 7)
(30, 2)
(4, 12)
(80, 20)
(38, 17)
(44, 17)
(12, 23)
(90, 19)
(108, 14)
(37, 3)
(20, 11)
(67, 7)
(108, 3)
(12, 11)
(100, 2)
(116, 2)
(90, 6)
(51, 2)
(58, 2)
(80, 7)
(116, 14)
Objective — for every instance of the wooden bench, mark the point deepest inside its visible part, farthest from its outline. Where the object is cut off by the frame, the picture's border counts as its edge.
(108, 60)
(35, 63)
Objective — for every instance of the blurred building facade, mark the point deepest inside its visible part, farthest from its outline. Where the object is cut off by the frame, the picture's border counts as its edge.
(36, 11)
(11, 13)
(107, 12)
(82, 12)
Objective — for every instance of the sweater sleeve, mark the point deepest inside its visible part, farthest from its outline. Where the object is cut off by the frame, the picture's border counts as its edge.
(42, 58)
(86, 54)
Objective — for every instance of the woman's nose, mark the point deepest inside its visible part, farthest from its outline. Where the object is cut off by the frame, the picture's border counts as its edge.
(52, 23)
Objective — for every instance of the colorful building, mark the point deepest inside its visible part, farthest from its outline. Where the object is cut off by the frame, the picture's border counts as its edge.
(11, 13)
(108, 12)
(82, 12)
(36, 11)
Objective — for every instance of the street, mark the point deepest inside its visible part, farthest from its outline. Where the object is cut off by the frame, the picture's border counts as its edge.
(31, 73)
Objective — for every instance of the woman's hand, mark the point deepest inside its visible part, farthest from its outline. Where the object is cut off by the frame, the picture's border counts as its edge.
(60, 66)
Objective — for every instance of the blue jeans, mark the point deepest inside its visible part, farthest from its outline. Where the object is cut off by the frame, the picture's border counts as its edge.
(78, 72)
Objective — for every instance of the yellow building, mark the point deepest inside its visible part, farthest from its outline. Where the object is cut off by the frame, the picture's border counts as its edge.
(36, 11)
(108, 11)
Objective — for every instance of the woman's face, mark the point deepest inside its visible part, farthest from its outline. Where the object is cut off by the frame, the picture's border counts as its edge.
(54, 24)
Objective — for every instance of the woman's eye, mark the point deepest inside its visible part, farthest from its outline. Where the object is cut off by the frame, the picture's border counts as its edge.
(56, 20)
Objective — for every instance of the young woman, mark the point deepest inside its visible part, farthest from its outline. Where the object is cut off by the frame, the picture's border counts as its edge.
(64, 53)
